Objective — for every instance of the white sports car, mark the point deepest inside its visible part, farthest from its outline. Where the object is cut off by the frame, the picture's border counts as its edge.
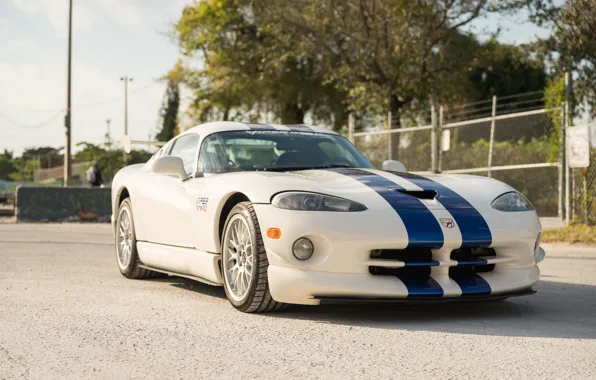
(291, 214)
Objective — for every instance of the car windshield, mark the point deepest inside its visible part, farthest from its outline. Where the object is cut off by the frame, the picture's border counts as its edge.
(276, 151)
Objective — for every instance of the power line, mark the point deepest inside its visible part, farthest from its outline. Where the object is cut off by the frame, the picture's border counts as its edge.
(86, 105)
(34, 126)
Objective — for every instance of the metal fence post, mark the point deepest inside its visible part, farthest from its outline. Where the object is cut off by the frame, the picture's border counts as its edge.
(433, 140)
(568, 210)
(562, 137)
(440, 132)
(351, 128)
(492, 135)
(389, 142)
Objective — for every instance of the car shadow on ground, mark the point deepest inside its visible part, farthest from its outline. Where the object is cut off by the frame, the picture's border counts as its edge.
(558, 310)
(193, 286)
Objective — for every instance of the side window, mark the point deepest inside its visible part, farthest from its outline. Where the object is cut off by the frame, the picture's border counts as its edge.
(185, 147)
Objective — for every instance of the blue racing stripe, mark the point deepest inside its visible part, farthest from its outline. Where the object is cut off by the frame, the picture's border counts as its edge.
(472, 262)
(471, 283)
(421, 286)
(423, 228)
(431, 263)
(474, 229)
(299, 128)
(260, 127)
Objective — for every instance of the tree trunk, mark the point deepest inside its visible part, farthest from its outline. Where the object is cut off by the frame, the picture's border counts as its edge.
(292, 113)
(395, 108)
(340, 119)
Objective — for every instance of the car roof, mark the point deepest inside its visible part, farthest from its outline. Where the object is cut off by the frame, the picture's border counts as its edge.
(224, 126)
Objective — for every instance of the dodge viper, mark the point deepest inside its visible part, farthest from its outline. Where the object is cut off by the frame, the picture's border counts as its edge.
(293, 214)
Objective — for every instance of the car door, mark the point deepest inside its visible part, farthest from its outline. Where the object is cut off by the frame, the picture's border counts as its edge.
(167, 206)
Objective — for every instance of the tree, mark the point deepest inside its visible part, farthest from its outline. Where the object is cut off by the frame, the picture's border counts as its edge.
(48, 156)
(505, 70)
(247, 72)
(26, 169)
(388, 55)
(110, 161)
(572, 46)
(168, 115)
(7, 165)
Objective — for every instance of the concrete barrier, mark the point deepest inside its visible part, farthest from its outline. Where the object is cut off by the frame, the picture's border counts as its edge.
(59, 204)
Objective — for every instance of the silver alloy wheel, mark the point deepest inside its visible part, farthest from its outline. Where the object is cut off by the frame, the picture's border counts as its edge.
(124, 245)
(238, 258)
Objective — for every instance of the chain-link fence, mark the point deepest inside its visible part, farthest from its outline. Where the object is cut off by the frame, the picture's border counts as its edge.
(518, 148)
(515, 148)
(78, 172)
(583, 188)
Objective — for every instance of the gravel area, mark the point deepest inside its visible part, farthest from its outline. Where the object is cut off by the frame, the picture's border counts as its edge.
(67, 313)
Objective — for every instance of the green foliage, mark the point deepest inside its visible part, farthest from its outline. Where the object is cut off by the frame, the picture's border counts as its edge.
(110, 161)
(248, 72)
(575, 233)
(572, 45)
(554, 97)
(48, 156)
(324, 58)
(504, 70)
(26, 168)
(168, 114)
(7, 165)
(386, 54)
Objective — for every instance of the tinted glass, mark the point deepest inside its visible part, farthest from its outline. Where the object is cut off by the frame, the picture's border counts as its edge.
(276, 150)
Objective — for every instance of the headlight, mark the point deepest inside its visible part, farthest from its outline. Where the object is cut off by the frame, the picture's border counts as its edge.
(512, 201)
(314, 202)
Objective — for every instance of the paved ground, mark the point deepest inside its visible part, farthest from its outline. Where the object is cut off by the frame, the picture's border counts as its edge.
(65, 312)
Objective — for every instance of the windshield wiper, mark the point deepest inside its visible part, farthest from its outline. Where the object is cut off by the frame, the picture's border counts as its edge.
(291, 168)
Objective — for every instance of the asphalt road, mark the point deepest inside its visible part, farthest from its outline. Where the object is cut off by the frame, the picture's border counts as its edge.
(66, 312)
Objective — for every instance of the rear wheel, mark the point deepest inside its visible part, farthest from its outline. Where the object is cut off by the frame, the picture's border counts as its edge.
(126, 245)
(244, 262)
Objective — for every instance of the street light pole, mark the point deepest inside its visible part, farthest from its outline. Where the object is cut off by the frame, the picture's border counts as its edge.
(67, 118)
(125, 79)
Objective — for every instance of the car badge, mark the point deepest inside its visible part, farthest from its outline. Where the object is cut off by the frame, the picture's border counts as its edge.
(447, 222)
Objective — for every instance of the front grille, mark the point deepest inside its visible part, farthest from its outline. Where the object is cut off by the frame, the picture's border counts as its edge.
(405, 255)
(418, 261)
(470, 260)
(413, 268)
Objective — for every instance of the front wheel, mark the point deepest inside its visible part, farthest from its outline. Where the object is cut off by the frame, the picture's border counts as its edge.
(244, 262)
(126, 245)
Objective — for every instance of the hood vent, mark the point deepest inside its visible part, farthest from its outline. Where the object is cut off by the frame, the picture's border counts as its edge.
(420, 194)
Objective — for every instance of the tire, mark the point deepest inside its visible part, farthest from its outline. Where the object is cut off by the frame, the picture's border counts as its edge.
(129, 263)
(250, 295)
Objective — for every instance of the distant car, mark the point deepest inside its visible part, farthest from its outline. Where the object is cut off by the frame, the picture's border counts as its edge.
(292, 214)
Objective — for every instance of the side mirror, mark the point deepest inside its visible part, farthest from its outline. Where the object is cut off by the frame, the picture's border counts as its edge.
(394, 166)
(169, 165)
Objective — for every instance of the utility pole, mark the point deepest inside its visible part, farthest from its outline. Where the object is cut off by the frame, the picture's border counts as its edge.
(125, 79)
(108, 140)
(67, 118)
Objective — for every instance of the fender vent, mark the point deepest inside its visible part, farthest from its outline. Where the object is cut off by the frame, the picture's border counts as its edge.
(420, 194)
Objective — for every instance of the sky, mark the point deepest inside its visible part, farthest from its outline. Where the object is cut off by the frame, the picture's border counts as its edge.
(111, 39)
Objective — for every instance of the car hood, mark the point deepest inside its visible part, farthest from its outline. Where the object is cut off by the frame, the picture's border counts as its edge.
(369, 186)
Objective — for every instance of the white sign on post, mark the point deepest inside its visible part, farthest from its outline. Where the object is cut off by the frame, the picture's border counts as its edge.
(445, 139)
(578, 146)
(593, 134)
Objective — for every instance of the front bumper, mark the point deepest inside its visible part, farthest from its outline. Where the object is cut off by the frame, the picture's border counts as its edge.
(297, 286)
(367, 300)
(339, 268)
